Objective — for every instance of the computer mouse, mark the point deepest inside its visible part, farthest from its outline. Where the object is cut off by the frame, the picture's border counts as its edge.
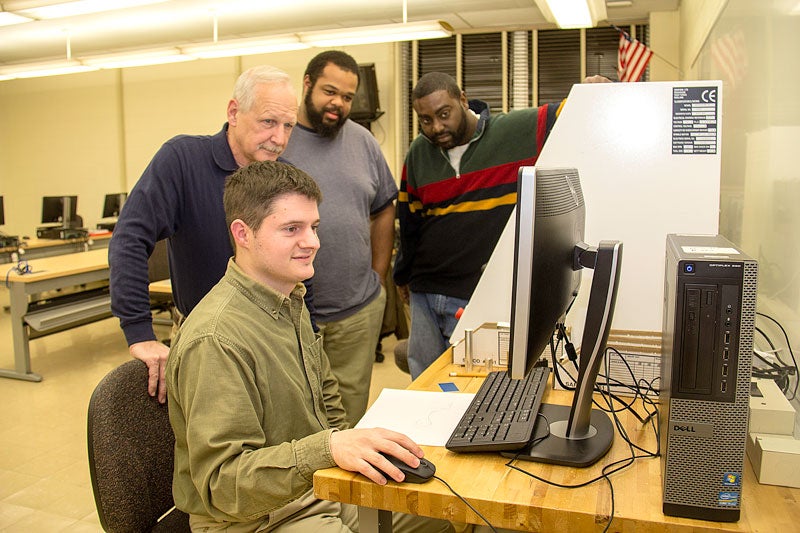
(421, 474)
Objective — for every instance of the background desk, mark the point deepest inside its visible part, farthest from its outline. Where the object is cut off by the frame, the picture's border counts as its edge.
(513, 500)
(49, 274)
(38, 248)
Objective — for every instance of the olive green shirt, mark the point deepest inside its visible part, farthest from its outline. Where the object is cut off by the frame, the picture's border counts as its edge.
(252, 401)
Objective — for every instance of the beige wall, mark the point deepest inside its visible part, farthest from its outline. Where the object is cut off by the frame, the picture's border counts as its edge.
(665, 40)
(94, 133)
(58, 136)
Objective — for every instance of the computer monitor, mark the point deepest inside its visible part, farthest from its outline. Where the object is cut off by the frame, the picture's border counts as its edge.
(112, 205)
(366, 106)
(6, 240)
(59, 210)
(549, 253)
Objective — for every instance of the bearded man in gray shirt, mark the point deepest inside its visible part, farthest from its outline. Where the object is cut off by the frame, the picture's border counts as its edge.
(357, 230)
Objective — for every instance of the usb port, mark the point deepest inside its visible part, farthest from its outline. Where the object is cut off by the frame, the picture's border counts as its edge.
(724, 387)
(727, 337)
(724, 370)
(726, 354)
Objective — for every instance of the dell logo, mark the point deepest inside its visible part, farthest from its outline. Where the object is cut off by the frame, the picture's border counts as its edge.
(687, 428)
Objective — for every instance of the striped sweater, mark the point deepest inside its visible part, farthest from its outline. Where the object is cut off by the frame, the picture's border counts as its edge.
(449, 222)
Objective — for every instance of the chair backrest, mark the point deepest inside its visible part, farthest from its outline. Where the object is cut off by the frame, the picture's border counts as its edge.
(158, 262)
(131, 452)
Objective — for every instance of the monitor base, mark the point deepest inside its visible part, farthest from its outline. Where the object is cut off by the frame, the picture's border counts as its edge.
(556, 449)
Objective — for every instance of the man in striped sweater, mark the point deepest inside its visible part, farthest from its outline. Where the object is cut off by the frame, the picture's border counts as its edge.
(458, 188)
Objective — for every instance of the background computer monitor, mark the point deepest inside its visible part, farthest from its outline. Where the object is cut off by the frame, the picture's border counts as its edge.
(366, 105)
(112, 205)
(549, 253)
(59, 209)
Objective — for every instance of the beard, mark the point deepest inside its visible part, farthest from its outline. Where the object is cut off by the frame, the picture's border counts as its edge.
(457, 137)
(322, 125)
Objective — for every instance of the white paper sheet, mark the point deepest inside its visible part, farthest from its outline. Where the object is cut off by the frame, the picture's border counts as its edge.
(427, 417)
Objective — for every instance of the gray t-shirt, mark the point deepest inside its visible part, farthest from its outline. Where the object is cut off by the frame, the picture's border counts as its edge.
(356, 182)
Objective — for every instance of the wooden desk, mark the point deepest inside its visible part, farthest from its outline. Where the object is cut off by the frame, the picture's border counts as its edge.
(38, 248)
(48, 274)
(161, 288)
(510, 499)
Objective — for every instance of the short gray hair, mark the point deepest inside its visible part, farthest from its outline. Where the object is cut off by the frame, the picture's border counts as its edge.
(245, 88)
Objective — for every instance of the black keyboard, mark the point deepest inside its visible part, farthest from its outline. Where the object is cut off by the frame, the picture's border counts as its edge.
(502, 414)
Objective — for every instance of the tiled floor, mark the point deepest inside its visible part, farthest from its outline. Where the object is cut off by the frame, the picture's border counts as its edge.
(44, 473)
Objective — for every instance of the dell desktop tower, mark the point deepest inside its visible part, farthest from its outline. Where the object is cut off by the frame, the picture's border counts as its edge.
(707, 345)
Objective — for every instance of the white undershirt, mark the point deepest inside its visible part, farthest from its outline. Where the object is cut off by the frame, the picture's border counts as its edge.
(455, 153)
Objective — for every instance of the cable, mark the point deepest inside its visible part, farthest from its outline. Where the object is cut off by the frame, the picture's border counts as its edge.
(642, 389)
(635, 389)
(22, 267)
(766, 338)
(791, 353)
(460, 497)
(652, 419)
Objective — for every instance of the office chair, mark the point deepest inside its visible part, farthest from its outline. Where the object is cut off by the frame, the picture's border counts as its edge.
(131, 453)
(158, 262)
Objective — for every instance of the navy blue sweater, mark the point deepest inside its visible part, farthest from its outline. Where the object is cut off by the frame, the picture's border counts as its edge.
(178, 197)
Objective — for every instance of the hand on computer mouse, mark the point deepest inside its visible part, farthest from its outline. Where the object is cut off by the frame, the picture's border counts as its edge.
(420, 474)
(357, 450)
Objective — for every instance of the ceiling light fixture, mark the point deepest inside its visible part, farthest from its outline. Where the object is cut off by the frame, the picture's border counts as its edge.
(384, 33)
(137, 59)
(243, 47)
(236, 47)
(573, 13)
(81, 7)
(35, 70)
(9, 19)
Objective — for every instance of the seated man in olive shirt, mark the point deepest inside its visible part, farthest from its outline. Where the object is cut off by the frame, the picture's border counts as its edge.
(252, 400)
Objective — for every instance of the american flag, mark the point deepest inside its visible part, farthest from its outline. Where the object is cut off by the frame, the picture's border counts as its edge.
(729, 53)
(632, 59)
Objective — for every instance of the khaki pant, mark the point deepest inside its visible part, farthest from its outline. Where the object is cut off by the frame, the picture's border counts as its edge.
(350, 345)
(310, 515)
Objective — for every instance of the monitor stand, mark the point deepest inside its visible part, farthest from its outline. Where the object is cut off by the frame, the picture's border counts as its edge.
(579, 435)
(557, 448)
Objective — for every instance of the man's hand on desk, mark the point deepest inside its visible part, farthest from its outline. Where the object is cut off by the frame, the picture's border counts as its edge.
(358, 450)
(154, 355)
